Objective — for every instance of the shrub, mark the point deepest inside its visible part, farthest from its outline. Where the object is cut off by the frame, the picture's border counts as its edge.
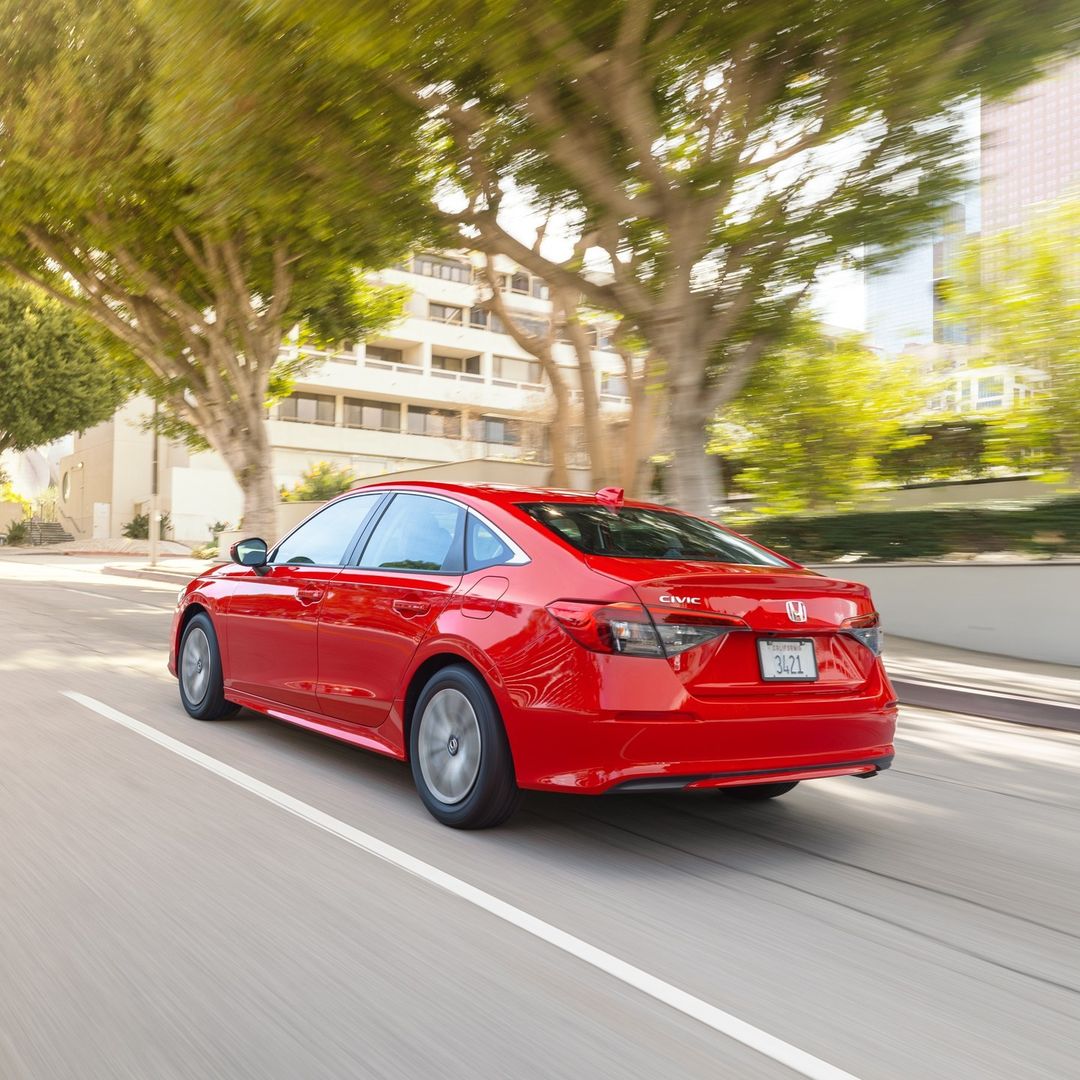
(18, 533)
(1045, 528)
(138, 528)
(320, 482)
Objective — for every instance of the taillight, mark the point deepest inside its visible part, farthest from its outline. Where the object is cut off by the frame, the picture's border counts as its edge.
(867, 630)
(631, 630)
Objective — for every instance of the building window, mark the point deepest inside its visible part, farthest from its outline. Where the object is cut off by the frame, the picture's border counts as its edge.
(533, 326)
(383, 354)
(446, 313)
(308, 409)
(479, 317)
(441, 423)
(511, 369)
(445, 269)
(496, 429)
(519, 283)
(540, 289)
(372, 415)
(463, 365)
(613, 385)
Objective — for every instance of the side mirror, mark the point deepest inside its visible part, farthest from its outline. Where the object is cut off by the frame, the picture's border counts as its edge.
(249, 552)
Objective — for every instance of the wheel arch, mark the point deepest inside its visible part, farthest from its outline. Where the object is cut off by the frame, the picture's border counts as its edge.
(423, 673)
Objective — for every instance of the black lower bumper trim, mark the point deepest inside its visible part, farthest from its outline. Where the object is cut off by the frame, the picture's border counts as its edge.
(646, 784)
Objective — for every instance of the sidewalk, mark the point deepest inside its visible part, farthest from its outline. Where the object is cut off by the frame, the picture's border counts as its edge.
(981, 684)
(179, 570)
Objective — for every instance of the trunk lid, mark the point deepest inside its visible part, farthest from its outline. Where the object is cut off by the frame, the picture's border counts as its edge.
(773, 601)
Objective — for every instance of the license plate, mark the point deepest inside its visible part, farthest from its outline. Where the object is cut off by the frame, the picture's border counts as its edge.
(787, 659)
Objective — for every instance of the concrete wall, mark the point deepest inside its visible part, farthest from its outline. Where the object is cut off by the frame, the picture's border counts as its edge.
(9, 512)
(1028, 610)
(968, 494)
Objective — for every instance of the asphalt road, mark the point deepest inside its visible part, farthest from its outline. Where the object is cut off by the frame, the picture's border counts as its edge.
(222, 916)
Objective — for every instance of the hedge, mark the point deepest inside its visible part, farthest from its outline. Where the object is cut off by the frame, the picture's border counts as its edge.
(1047, 528)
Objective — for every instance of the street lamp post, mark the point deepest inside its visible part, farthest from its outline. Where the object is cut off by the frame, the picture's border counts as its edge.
(154, 531)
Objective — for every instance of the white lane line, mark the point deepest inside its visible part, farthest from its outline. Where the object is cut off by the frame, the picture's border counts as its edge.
(797, 1060)
(114, 599)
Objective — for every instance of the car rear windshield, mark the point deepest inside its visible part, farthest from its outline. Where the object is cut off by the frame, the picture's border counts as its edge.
(637, 533)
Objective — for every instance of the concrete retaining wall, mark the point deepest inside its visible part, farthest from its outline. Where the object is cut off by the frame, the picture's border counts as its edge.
(1027, 610)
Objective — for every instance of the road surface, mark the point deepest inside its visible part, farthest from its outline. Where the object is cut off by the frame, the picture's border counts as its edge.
(185, 900)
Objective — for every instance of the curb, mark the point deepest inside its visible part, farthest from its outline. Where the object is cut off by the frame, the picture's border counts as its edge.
(172, 577)
(990, 705)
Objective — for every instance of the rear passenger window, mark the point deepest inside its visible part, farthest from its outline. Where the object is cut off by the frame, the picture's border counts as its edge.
(484, 547)
(417, 533)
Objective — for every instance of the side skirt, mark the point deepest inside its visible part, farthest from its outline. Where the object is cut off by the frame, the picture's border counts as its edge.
(367, 738)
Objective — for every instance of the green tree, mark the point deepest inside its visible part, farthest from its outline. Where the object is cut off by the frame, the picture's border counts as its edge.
(1017, 294)
(56, 376)
(810, 422)
(707, 158)
(320, 482)
(198, 198)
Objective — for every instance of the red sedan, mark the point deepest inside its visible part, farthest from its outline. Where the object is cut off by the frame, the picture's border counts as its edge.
(507, 638)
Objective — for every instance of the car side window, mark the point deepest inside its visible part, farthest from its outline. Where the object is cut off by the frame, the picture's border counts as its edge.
(417, 533)
(325, 539)
(484, 547)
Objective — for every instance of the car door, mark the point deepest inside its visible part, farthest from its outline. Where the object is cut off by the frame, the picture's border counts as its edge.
(377, 612)
(271, 621)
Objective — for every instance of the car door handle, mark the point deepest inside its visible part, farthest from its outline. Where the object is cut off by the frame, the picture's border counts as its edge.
(309, 594)
(411, 608)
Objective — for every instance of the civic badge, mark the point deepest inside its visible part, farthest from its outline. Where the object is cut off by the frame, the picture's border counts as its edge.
(796, 610)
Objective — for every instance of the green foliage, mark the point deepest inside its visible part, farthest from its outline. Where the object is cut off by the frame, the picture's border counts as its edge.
(199, 188)
(138, 528)
(1018, 294)
(1042, 529)
(56, 377)
(9, 495)
(211, 550)
(951, 448)
(320, 482)
(808, 427)
(18, 533)
(714, 155)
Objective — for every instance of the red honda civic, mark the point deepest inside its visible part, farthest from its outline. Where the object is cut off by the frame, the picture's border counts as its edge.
(508, 638)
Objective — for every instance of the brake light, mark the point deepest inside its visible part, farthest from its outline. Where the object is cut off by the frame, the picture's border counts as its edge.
(632, 630)
(867, 630)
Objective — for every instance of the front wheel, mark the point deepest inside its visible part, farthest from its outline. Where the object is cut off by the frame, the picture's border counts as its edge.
(759, 792)
(458, 752)
(202, 685)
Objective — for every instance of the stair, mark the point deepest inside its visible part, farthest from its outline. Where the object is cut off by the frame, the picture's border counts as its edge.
(47, 532)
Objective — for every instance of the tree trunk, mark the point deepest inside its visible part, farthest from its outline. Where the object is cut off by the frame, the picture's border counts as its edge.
(558, 431)
(250, 458)
(640, 428)
(694, 484)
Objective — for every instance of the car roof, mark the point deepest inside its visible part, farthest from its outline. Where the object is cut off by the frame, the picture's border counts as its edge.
(504, 495)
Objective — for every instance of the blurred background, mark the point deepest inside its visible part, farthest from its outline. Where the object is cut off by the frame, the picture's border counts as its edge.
(808, 268)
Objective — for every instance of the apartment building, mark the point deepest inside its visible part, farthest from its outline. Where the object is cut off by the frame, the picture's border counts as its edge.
(445, 386)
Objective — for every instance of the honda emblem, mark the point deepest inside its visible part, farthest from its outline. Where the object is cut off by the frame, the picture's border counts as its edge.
(796, 611)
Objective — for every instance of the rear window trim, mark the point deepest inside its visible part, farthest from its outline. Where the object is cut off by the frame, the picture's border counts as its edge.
(768, 558)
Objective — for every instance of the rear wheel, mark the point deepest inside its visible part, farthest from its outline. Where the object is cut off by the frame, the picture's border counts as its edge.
(760, 792)
(458, 752)
(202, 686)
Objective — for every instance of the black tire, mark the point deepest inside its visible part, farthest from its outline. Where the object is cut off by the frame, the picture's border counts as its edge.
(760, 792)
(202, 688)
(468, 783)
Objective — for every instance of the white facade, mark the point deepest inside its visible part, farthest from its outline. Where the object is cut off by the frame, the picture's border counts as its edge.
(439, 387)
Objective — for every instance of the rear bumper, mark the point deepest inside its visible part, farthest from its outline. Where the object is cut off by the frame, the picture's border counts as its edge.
(625, 752)
(864, 769)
